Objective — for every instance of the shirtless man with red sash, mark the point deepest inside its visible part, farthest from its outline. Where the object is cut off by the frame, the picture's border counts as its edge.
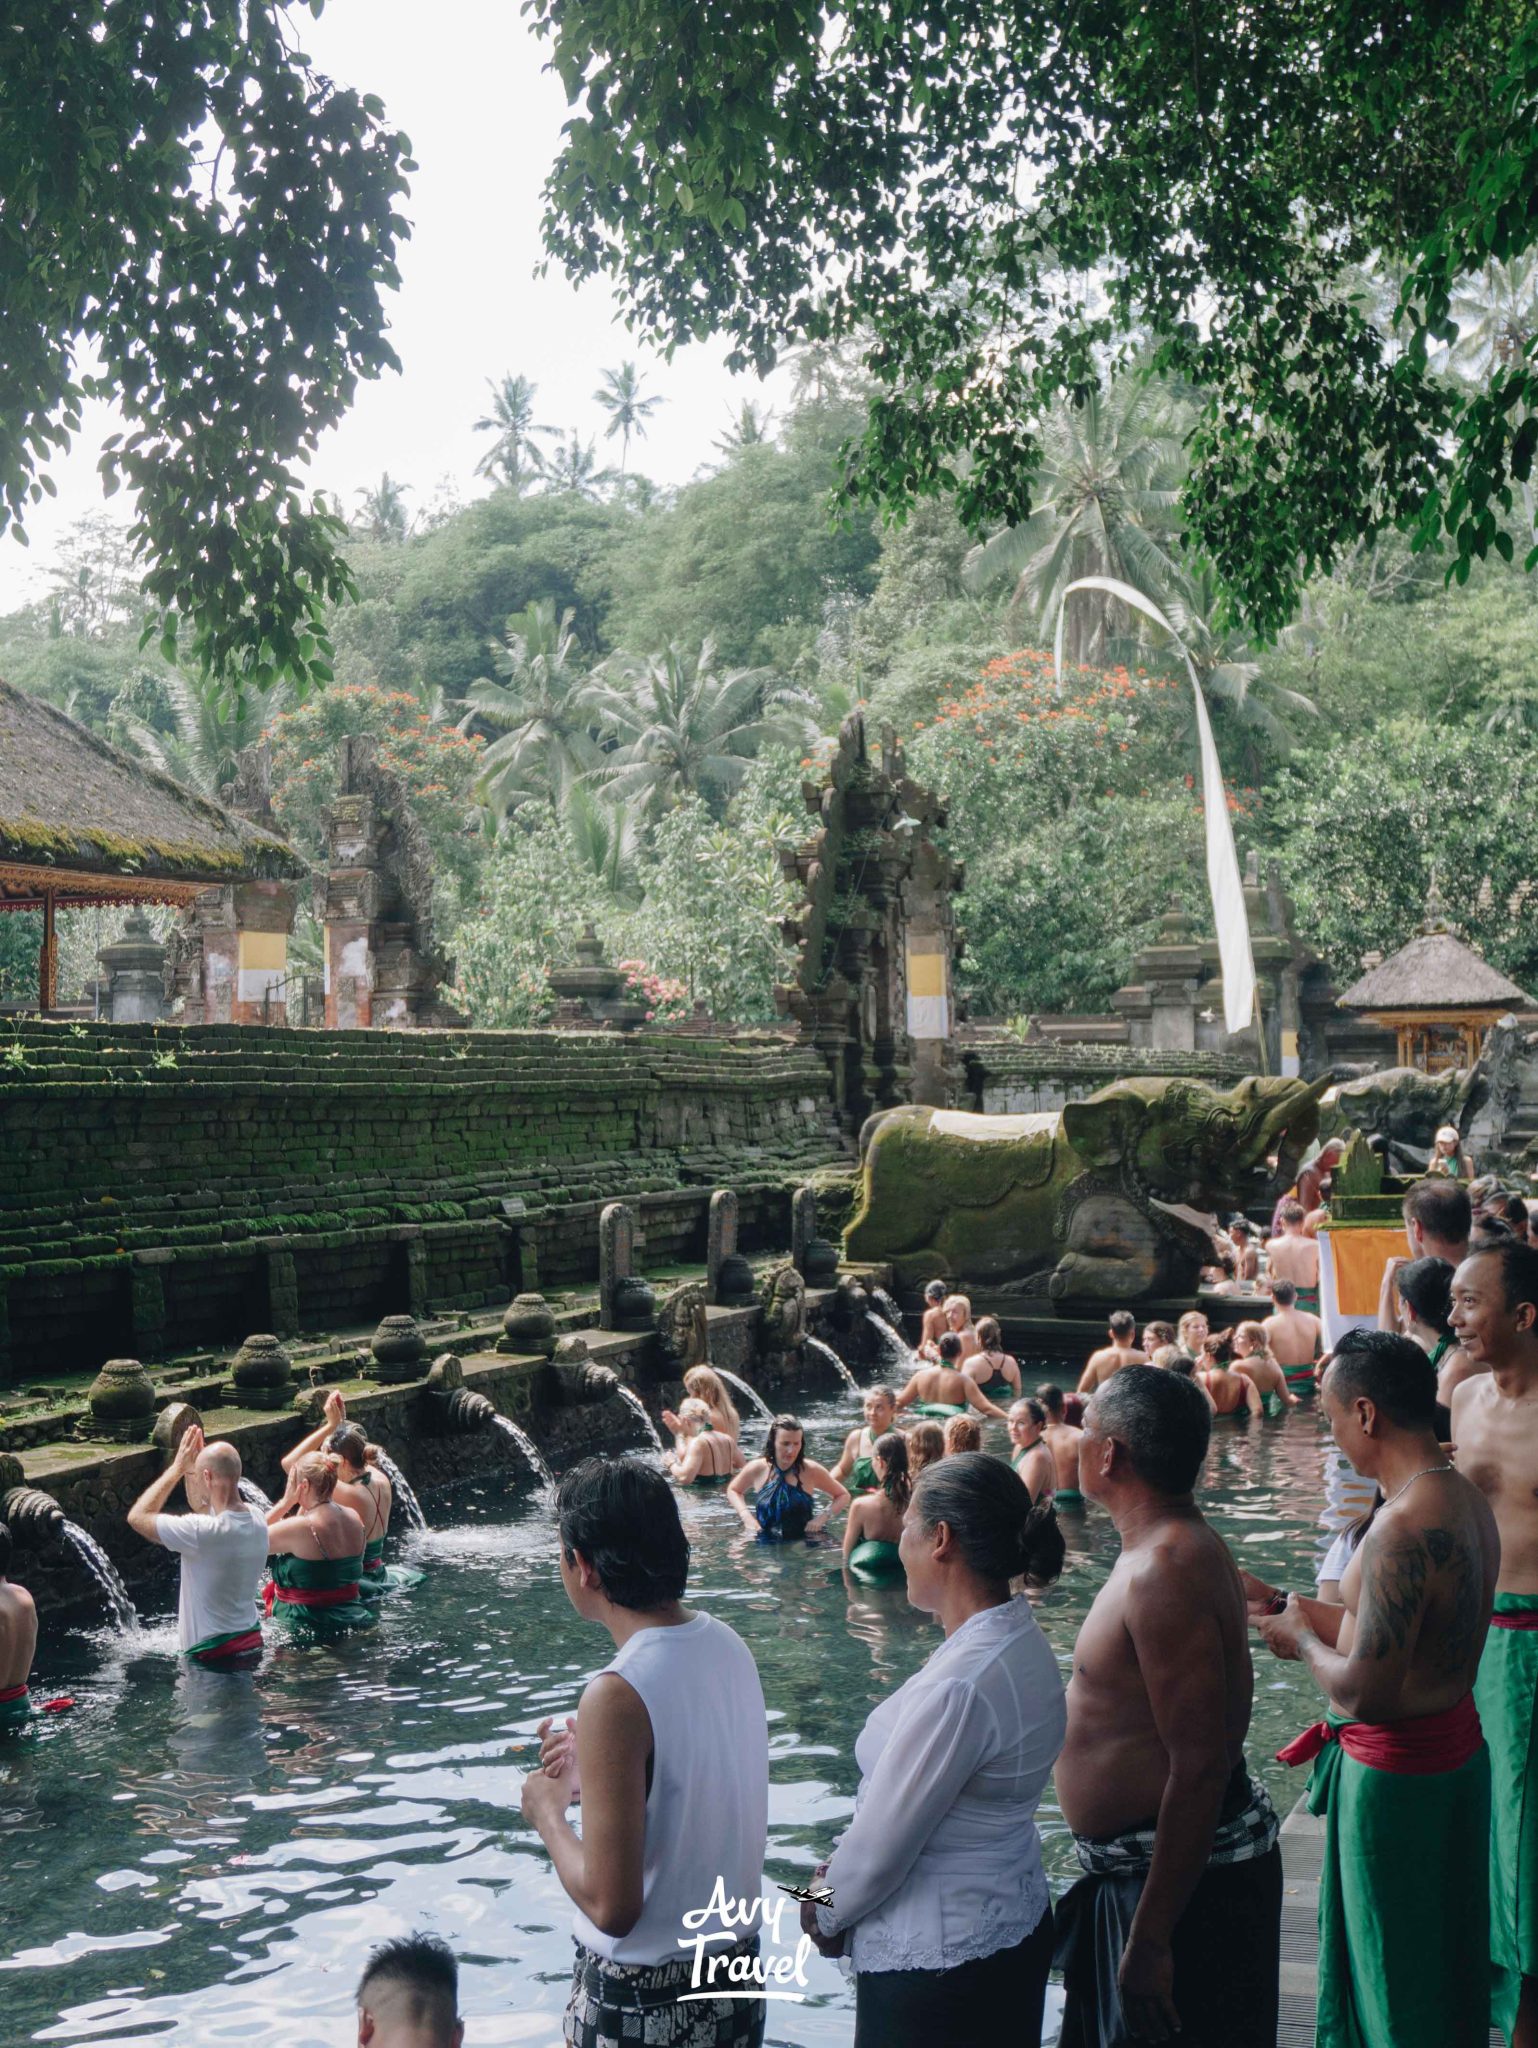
(1495, 1440)
(18, 1642)
(1401, 1772)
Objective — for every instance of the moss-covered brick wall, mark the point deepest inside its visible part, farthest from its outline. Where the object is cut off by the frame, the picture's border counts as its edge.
(168, 1188)
(1004, 1077)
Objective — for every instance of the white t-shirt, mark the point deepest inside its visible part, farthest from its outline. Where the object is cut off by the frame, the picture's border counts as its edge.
(223, 1558)
(707, 1813)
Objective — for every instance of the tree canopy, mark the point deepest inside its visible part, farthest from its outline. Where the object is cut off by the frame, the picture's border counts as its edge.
(198, 226)
(943, 179)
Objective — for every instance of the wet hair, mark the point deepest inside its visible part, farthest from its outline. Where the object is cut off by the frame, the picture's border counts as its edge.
(1514, 1209)
(884, 1392)
(963, 1433)
(711, 1389)
(950, 1344)
(1123, 1323)
(1051, 1398)
(1426, 1289)
(320, 1472)
(1255, 1334)
(989, 1513)
(1518, 1262)
(1240, 1227)
(350, 1445)
(989, 1335)
(1032, 1407)
(621, 1514)
(1158, 1333)
(1489, 1231)
(1441, 1207)
(926, 1443)
(1284, 1293)
(935, 1291)
(1291, 1212)
(1390, 1371)
(5, 1548)
(786, 1422)
(1162, 1421)
(421, 1966)
(1218, 1348)
(892, 1449)
(697, 1413)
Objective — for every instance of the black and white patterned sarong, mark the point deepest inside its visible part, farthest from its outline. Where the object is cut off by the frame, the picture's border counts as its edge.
(640, 2005)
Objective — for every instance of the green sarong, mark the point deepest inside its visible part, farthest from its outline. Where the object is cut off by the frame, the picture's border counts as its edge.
(1067, 1497)
(942, 1411)
(15, 1709)
(1273, 1405)
(292, 1601)
(1505, 1692)
(378, 1578)
(862, 1476)
(875, 1563)
(1402, 1913)
(998, 1390)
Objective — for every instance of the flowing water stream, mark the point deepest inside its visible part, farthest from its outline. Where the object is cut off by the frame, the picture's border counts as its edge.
(893, 1350)
(830, 1357)
(526, 1447)
(633, 1401)
(400, 1486)
(103, 1571)
(760, 1405)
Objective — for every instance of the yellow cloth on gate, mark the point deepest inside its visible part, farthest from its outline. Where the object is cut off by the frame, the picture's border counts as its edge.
(1358, 1257)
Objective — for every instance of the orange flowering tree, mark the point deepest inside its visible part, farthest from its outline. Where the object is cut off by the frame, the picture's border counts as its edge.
(1077, 815)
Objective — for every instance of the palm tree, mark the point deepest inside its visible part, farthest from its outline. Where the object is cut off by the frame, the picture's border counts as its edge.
(384, 510)
(749, 426)
(682, 728)
(212, 728)
(620, 397)
(1229, 673)
(542, 707)
(605, 837)
(1106, 495)
(1497, 315)
(574, 470)
(514, 458)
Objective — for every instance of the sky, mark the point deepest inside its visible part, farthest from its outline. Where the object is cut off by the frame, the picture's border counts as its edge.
(466, 81)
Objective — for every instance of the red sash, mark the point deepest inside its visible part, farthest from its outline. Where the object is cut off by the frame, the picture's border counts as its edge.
(12, 1692)
(1413, 1749)
(1515, 1617)
(307, 1596)
(237, 1646)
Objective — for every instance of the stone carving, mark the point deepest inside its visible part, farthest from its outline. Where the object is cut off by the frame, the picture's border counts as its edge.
(814, 1258)
(529, 1326)
(172, 1424)
(580, 1382)
(720, 1242)
(1405, 1108)
(683, 1327)
(397, 1350)
(122, 1402)
(133, 969)
(262, 1374)
(1112, 1195)
(625, 1302)
(590, 993)
(783, 1299)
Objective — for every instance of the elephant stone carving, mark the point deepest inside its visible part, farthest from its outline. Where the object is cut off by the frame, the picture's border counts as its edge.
(1107, 1200)
(1406, 1108)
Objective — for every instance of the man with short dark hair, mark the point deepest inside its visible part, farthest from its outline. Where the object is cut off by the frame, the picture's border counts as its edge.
(1495, 1440)
(18, 1642)
(1438, 1217)
(408, 1995)
(1401, 1762)
(1176, 1928)
(1292, 1336)
(1295, 1257)
(669, 1754)
(1122, 1350)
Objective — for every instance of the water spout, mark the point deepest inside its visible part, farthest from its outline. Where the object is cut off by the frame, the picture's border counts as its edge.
(102, 1570)
(526, 1446)
(893, 1349)
(253, 1496)
(743, 1388)
(30, 1515)
(633, 1400)
(400, 1486)
(887, 1307)
(831, 1357)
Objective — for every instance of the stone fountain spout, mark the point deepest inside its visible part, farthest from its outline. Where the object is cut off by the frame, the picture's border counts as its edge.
(32, 1516)
(453, 1408)
(577, 1380)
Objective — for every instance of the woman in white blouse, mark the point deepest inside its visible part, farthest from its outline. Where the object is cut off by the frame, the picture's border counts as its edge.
(939, 1898)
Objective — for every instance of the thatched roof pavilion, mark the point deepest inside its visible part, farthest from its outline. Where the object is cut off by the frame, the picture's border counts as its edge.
(82, 823)
(1439, 996)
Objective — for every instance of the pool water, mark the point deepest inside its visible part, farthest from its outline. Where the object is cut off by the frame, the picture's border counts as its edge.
(195, 1859)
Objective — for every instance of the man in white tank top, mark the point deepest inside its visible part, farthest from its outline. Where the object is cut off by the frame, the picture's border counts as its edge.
(668, 1755)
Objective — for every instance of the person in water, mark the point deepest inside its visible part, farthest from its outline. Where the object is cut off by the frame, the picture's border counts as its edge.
(784, 1479)
(854, 1467)
(932, 1328)
(18, 1642)
(943, 1389)
(1192, 1332)
(1423, 1292)
(702, 1455)
(1032, 1458)
(963, 1433)
(1174, 1930)
(1155, 1336)
(361, 1486)
(669, 1758)
(1293, 1336)
(1256, 1363)
(939, 1897)
(1231, 1393)
(1062, 1439)
(1401, 1770)
(408, 1995)
(222, 1544)
(926, 1446)
(315, 1593)
(958, 1323)
(873, 1529)
(1122, 1350)
(994, 1370)
(705, 1384)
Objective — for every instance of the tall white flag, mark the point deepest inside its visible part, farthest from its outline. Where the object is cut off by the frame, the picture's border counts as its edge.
(1229, 917)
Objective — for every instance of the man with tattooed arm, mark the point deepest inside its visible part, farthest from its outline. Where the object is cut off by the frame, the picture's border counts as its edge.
(1401, 1771)
(1495, 1440)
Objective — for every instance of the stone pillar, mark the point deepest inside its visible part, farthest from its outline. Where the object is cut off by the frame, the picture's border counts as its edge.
(133, 974)
(213, 921)
(147, 1299)
(282, 1293)
(721, 1240)
(803, 1226)
(1170, 972)
(264, 918)
(349, 911)
(616, 1258)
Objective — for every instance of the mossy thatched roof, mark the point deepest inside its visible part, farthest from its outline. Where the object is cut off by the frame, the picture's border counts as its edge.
(69, 801)
(1434, 971)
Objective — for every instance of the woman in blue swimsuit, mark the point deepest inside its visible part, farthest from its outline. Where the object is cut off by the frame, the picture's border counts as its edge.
(784, 1480)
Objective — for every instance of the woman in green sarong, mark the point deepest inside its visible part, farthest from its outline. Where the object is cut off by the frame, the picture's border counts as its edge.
(359, 1486)
(316, 1544)
(854, 1465)
(702, 1455)
(874, 1525)
(994, 1370)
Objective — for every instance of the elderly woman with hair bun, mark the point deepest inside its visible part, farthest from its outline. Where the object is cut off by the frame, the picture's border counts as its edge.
(938, 1894)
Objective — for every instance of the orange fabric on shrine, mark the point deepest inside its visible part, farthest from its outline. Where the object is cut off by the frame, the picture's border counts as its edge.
(1359, 1258)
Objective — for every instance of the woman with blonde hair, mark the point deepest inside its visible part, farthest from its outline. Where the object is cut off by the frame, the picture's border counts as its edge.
(709, 1387)
(702, 1455)
(958, 1317)
(1252, 1357)
(316, 1546)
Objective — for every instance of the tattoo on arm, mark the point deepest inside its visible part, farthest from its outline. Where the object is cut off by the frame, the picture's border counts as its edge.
(1393, 1591)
